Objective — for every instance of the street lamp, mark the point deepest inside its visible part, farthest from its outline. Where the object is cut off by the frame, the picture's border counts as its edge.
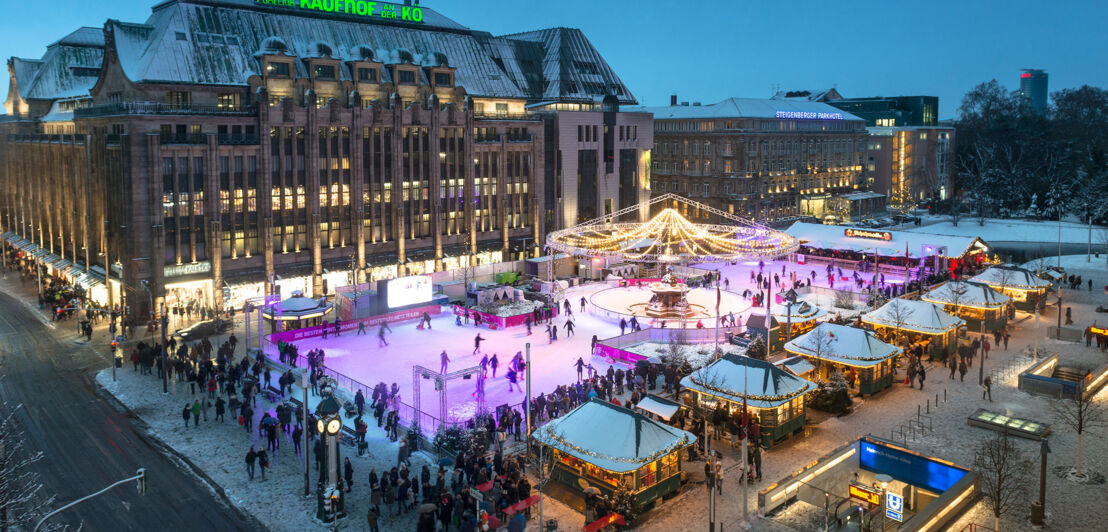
(164, 324)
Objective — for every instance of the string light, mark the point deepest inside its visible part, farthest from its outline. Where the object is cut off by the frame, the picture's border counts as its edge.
(548, 431)
(670, 237)
(749, 396)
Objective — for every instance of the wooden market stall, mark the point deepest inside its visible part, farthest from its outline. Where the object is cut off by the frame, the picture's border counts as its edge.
(800, 318)
(973, 302)
(607, 445)
(865, 361)
(1019, 284)
(916, 323)
(773, 396)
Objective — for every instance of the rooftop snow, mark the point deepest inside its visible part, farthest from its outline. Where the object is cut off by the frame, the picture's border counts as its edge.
(965, 293)
(615, 438)
(742, 108)
(834, 236)
(732, 377)
(915, 315)
(842, 344)
(1010, 277)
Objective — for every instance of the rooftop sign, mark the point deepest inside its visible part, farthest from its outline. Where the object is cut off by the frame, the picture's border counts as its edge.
(807, 115)
(361, 8)
(872, 235)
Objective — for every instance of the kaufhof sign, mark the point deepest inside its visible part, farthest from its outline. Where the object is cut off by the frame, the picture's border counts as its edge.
(872, 235)
(352, 7)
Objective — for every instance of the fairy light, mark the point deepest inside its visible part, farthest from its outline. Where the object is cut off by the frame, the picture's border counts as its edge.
(568, 446)
(670, 237)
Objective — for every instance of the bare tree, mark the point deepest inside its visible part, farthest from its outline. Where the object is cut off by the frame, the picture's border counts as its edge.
(817, 341)
(1080, 414)
(977, 173)
(898, 313)
(1004, 474)
(22, 501)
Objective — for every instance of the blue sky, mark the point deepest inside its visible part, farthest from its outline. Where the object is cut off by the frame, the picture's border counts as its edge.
(709, 50)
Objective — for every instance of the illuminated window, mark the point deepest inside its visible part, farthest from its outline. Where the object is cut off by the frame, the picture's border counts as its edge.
(228, 100)
(367, 74)
(277, 70)
(324, 72)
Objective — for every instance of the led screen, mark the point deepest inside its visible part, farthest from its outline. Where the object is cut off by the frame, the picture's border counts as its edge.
(409, 291)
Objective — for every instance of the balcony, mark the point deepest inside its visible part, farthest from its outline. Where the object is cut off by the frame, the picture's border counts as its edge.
(184, 138)
(520, 138)
(155, 108)
(493, 115)
(238, 140)
(488, 139)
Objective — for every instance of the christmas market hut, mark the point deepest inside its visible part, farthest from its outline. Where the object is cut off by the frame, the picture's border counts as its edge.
(973, 302)
(864, 360)
(1021, 285)
(917, 323)
(297, 312)
(799, 318)
(767, 328)
(607, 446)
(773, 396)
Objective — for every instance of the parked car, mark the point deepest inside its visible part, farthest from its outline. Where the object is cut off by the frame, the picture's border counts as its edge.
(202, 329)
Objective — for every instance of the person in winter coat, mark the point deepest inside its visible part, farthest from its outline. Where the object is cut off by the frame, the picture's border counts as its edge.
(987, 389)
(220, 409)
(195, 413)
(922, 375)
(348, 473)
(371, 518)
(251, 457)
(263, 461)
(186, 413)
(297, 438)
(962, 369)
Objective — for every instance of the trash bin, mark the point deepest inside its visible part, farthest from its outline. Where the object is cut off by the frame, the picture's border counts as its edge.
(1036, 513)
(551, 525)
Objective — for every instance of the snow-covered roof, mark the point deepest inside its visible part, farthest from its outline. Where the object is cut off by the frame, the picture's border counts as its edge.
(915, 315)
(1011, 277)
(758, 321)
(842, 344)
(855, 196)
(215, 42)
(765, 385)
(745, 108)
(612, 437)
(967, 294)
(798, 313)
(661, 407)
(834, 237)
(69, 68)
(798, 366)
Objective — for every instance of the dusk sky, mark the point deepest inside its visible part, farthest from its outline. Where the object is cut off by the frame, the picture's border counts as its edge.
(709, 50)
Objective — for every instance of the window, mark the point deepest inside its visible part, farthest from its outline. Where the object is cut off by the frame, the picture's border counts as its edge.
(407, 77)
(502, 108)
(367, 74)
(323, 72)
(580, 133)
(178, 98)
(277, 70)
(442, 79)
(180, 35)
(228, 100)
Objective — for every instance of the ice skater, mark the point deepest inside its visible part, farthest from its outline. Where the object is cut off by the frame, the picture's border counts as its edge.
(445, 360)
(512, 376)
(527, 322)
(361, 328)
(494, 363)
(582, 303)
(381, 342)
(569, 328)
(426, 319)
(580, 364)
(477, 343)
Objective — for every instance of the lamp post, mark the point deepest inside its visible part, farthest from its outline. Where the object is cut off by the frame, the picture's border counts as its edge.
(1038, 508)
(307, 467)
(164, 324)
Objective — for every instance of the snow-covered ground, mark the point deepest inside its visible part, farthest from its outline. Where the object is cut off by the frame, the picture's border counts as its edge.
(1008, 230)
(696, 354)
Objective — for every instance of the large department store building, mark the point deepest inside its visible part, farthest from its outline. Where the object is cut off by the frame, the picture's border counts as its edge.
(226, 149)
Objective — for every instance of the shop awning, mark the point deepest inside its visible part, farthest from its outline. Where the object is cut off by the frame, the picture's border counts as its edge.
(663, 408)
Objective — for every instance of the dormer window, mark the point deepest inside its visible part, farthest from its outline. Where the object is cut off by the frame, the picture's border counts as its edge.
(367, 74)
(326, 72)
(407, 77)
(442, 79)
(277, 70)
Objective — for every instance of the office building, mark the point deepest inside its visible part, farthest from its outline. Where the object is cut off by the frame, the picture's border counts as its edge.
(913, 162)
(765, 159)
(1033, 89)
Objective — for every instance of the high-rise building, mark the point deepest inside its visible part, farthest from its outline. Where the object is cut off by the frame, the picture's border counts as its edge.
(761, 158)
(912, 162)
(226, 149)
(1033, 89)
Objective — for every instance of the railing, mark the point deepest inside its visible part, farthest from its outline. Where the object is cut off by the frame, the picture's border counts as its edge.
(236, 140)
(488, 139)
(55, 137)
(520, 138)
(506, 116)
(156, 108)
(183, 139)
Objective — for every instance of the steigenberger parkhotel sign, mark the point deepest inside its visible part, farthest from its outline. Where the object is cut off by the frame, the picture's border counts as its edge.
(351, 7)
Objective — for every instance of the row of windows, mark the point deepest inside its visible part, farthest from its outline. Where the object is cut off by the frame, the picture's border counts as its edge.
(279, 69)
(784, 147)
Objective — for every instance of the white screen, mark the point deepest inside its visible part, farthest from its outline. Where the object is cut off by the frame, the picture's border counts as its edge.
(409, 291)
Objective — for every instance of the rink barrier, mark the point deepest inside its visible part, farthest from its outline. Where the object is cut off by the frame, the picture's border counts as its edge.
(613, 348)
(352, 325)
(500, 322)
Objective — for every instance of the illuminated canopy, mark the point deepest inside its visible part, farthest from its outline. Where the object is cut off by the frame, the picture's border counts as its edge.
(670, 237)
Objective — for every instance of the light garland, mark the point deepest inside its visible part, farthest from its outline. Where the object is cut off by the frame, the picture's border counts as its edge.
(749, 397)
(670, 237)
(548, 431)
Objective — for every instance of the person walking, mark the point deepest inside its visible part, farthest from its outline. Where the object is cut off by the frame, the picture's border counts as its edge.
(477, 343)
(251, 457)
(622, 326)
(952, 362)
(911, 375)
(186, 413)
(372, 515)
(987, 389)
(196, 413)
(1006, 336)
(297, 437)
(348, 473)
(359, 401)
(922, 375)
(263, 461)
(220, 408)
(962, 369)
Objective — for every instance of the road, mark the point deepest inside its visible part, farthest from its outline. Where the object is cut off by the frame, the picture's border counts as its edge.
(88, 442)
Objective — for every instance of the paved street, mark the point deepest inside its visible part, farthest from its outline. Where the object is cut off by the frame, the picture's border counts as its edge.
(87, 442)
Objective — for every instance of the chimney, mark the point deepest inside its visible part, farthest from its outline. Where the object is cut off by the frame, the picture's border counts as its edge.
(673, 99)
(684, 104)
(696, 104)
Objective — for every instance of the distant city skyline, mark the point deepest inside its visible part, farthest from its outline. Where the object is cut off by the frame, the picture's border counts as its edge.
(711, 50)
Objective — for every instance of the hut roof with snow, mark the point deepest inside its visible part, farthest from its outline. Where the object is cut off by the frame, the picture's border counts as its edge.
(967, 294)
(843, 345)
(734, 377)
(1011, 277)
(612, 437)
(919, 316)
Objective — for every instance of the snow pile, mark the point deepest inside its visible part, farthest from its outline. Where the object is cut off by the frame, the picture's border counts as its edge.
(696, 355)
(510, 308)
